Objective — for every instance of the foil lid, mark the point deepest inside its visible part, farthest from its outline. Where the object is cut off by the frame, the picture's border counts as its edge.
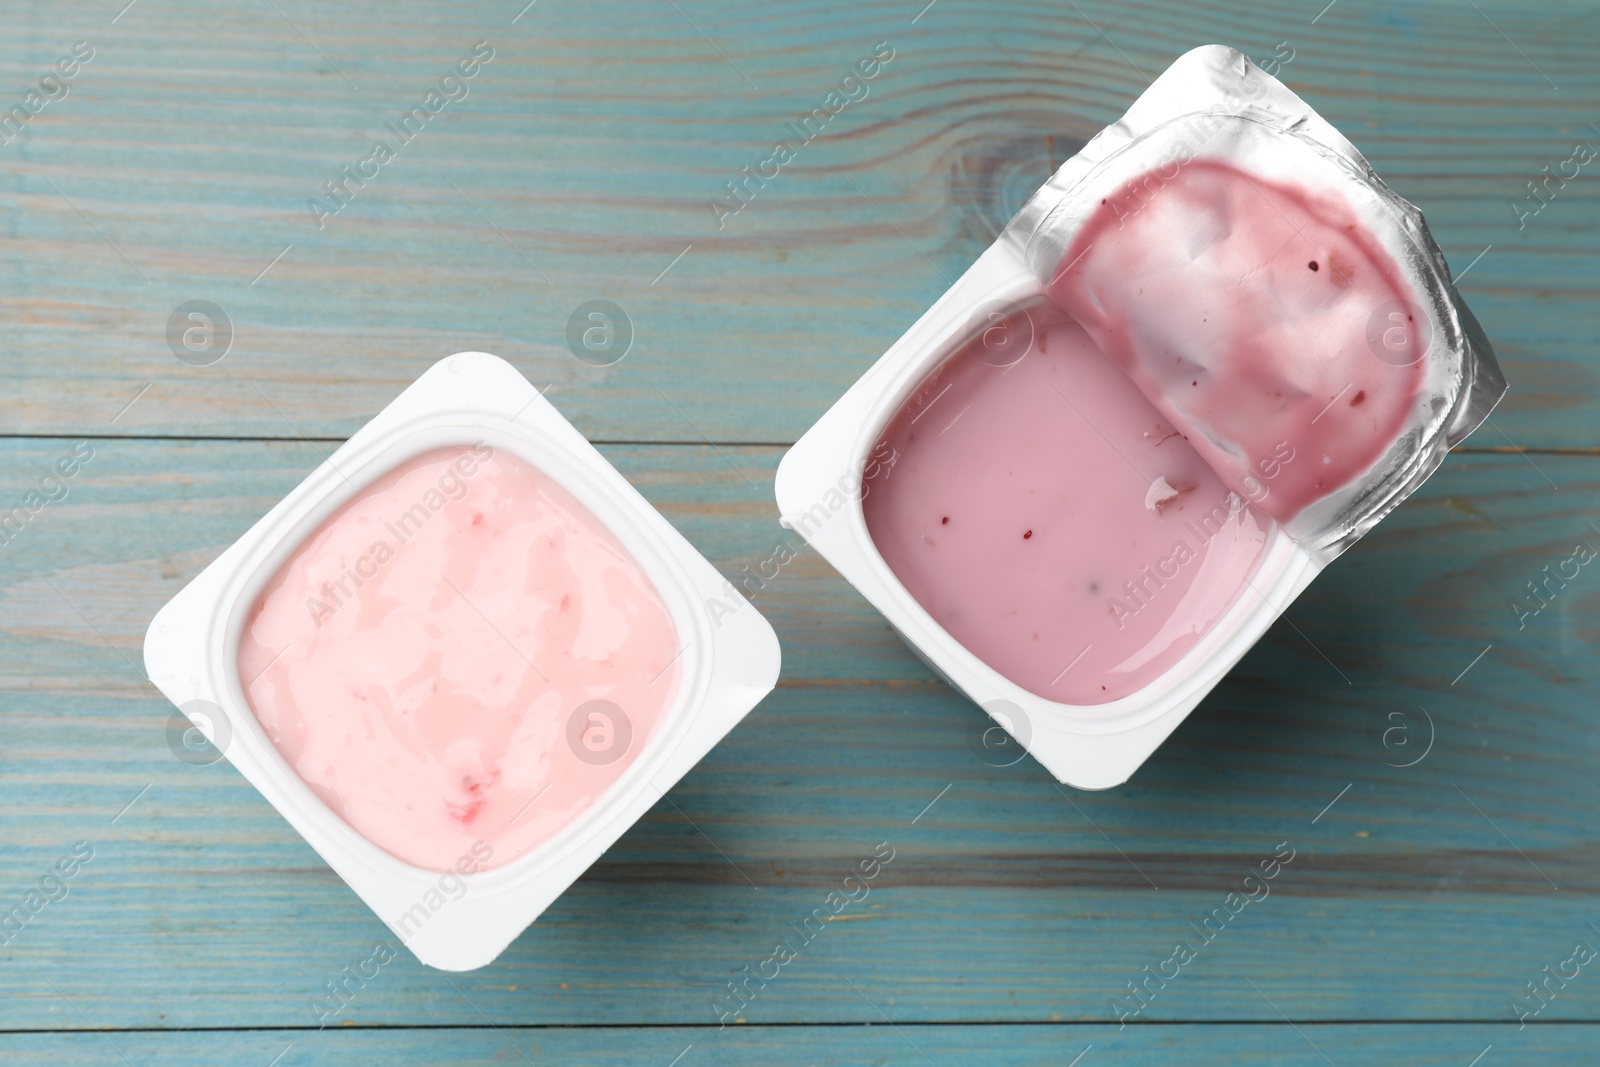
(1377, 312)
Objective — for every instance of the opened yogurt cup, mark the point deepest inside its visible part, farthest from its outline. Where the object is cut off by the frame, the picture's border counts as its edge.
(462, 658)
(1203, 360)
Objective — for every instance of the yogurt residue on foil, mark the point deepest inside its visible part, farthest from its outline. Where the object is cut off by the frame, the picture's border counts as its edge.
(1080, 516)
(1252, 314)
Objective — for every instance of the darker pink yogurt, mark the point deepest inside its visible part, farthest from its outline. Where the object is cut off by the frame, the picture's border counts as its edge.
(1052, 520)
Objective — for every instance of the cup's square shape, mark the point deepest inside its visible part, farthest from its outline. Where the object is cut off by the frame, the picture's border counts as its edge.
(462, 917)
(819, 494)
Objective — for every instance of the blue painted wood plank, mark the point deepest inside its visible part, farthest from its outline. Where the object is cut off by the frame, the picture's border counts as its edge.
(1267, 1044)
(1005, 903)
(583, 160)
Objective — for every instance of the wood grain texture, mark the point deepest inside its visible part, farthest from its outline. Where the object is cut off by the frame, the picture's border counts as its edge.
(182, 161)
(1008, 901)
(1434, 1045)
(1421, 898)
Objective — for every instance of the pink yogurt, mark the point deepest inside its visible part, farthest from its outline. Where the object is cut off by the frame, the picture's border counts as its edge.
(429, 660)
(1052, 520)
(1252, 314)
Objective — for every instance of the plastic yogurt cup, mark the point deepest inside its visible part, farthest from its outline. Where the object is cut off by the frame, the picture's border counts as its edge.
(462, 658)
(1203, 360)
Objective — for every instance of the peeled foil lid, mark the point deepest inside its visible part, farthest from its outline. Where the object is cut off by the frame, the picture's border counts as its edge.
(1213, 103)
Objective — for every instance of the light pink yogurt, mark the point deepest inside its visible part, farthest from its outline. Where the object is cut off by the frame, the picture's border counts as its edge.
(1051, 520)
(1252, 314)
(429, 660)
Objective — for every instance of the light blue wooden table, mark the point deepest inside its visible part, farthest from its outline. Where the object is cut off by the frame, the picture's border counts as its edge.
(176, 164)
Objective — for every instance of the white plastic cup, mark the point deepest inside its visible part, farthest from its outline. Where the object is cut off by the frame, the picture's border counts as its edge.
(1087, 746)
(728, 662)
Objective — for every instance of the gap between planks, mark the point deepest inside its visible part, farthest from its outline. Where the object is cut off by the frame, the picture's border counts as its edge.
(841, 1024)
(620, 442)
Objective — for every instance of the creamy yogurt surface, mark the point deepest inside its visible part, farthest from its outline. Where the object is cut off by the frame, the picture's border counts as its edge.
(461, 659)
(1051, 519)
